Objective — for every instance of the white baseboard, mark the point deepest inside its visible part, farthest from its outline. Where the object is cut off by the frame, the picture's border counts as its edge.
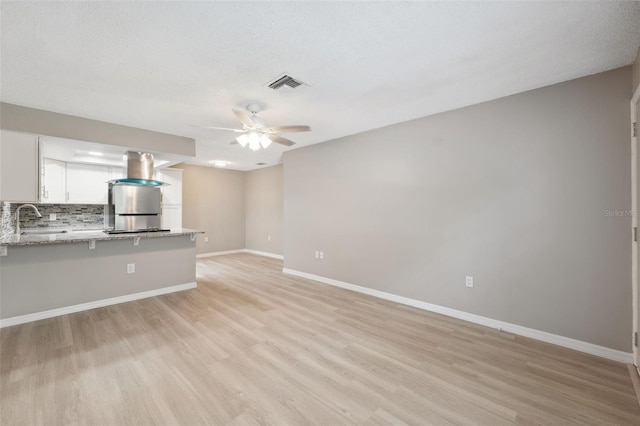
(222, 253)
(264, 253)
(555, 339)
(218, 253)
(21, 319)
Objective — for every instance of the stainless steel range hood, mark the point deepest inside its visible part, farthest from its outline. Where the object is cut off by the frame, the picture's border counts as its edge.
(135, 202)
(139, 170)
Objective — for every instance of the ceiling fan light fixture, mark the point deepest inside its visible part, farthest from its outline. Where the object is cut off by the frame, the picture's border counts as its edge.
(243, 140)
(265, 141)
(254, 134)
(254, 141)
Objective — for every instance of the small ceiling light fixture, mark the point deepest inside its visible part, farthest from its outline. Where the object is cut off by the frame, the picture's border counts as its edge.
(255, 140)
(96, 153)
(220, 163)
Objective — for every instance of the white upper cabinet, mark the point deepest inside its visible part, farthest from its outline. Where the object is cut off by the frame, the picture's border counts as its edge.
(54, 181)
(171, 194)
(87, 183)
(74, 183)
(19, 167)
(117, 173)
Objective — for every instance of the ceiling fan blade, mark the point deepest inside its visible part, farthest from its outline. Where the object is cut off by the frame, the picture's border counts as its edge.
(243, 117)
(281, 140)
(220, 128)
(289, 129)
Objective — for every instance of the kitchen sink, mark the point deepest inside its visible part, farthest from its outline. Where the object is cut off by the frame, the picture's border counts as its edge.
(43, 231)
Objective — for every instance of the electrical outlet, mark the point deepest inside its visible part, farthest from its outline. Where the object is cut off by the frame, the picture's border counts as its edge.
(193, 237)
(469, 281)
(131, 268)
(52, 217)
(206, 239)
(3, 250)
(136, 241)
(92, 245)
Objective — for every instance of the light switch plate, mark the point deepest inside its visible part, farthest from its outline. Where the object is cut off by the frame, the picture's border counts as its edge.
(3, 250)
(136, 241)
(92, 245)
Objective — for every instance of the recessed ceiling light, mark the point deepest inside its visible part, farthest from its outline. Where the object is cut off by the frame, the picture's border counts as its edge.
(220, 163)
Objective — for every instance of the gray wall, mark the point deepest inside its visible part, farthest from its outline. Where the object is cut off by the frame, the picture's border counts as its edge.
(513, 192)
(40, 122)
(263, 203)
(213, 202)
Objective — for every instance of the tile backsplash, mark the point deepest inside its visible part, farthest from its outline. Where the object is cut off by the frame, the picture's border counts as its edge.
(8, 226)
(73, 216)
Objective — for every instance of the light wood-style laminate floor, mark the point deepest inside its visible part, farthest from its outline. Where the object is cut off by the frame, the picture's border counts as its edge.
(252, 346)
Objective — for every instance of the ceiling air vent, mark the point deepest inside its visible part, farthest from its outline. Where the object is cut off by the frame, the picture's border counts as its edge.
(285, 84)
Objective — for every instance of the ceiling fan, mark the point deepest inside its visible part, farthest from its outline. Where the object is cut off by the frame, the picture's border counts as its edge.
(254, 130)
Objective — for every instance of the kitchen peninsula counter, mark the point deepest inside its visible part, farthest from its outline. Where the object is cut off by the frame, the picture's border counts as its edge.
(43, 276)
(85, 236)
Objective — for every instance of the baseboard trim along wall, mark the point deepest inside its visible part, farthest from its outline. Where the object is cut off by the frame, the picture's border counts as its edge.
(222, 253)
(218, 253)
(21, 319)
(264, 253)
(566, 342)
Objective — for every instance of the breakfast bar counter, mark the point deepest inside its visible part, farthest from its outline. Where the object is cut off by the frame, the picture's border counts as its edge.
(42, 276)
(76, 236)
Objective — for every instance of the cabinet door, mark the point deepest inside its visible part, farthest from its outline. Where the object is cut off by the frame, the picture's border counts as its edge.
(171, 217)
(54, 181)
(116, 173)
(171, 194)
(18, 167)
(87, 183)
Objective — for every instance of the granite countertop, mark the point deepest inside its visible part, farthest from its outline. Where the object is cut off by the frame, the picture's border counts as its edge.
(86, 235)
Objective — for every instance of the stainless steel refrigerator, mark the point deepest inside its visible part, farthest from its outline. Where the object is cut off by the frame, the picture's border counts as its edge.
(134, 208)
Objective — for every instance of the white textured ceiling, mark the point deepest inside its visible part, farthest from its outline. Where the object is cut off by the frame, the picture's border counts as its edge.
(167, 66)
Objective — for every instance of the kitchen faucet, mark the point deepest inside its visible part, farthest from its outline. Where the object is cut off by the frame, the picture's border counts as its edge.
(18, 215)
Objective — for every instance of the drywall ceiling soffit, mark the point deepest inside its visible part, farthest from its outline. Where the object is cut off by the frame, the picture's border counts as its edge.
(167, 66)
